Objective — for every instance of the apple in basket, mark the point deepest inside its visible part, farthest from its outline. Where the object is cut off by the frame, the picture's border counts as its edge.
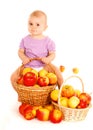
(42, 72)
(30, 79)
(20, 80)
(43, 81)
(67, 91)
(73, 102)
(52, 78)
(85, 100)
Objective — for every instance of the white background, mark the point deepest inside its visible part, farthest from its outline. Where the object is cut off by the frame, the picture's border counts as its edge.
(70, 25)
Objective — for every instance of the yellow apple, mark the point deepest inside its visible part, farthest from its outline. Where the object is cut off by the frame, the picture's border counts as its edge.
(52, 78)
(42, 114)
(35, 71)
(25, 70)
(42, 72)
(36, 86)
(73, 102)
(54, 95)
(75, 70)
(77, 92)
(62, 68)
(64, 101)
(50, 107)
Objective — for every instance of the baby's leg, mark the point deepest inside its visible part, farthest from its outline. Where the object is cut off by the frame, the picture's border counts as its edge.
(55, 70)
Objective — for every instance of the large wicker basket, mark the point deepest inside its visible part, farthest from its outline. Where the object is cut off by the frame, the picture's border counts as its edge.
(71, 114)
(34, 96)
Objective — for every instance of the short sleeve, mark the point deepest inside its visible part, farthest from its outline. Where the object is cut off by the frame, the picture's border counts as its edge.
(21, 45)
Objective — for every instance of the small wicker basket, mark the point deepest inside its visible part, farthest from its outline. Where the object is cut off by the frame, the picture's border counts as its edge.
(71, 114)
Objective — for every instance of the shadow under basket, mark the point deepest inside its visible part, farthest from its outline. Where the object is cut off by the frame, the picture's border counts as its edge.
(34, 96)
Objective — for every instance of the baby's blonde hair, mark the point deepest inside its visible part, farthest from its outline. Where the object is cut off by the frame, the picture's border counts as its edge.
(38, 13)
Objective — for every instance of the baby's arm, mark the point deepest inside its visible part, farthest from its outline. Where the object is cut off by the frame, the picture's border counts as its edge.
(23, 57)
(49, 58)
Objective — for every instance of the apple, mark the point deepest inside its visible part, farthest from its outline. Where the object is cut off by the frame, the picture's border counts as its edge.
(67, 91)
(56, 116)
(75, 70)
(36, 107)
(77, 93)
(29, 113)
(52, 78)
(22, 107)
(30, 79)
(73, 102)
(42, 72)
(42, 114)
(36, 86)
(62, 68)
(54, 95)
(20, 80)
(82, 104)
(50, 107)
(63, 101)
(43, 81)
(85, 97)
(35, 71)
(25, 70)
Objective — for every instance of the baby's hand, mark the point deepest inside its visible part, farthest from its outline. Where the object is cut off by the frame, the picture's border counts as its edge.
(46, 60)
(26, 60)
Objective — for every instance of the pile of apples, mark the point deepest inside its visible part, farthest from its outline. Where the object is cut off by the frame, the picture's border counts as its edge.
(71, 98)
(42, 113)
(33, 78)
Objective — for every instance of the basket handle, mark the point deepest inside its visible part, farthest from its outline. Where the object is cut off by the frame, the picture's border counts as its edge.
(73, 76)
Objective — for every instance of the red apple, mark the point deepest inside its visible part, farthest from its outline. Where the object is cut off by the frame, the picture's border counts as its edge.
(42, 114)
(82, 104)
(30, 79)
(29, 113)
(85, 97)
(56, 116)
(22, 107)
(43, 81)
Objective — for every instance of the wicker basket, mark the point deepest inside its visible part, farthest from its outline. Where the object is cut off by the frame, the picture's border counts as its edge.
(31, 95)
(34, 96)
(71, 114)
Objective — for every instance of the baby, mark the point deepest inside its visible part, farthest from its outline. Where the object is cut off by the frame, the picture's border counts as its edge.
(37, 50)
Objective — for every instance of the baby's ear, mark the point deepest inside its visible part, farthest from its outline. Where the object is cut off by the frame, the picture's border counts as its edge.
(46, 27)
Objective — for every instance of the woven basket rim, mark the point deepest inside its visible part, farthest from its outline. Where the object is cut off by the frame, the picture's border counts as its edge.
(33, 88)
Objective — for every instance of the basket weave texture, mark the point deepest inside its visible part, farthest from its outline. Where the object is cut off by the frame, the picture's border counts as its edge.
(34, 96)
(71, 114)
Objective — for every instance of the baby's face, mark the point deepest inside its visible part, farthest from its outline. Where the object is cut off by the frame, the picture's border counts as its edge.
(36, 25)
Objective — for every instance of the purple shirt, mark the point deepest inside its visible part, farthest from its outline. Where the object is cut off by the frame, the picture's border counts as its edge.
(36, 48)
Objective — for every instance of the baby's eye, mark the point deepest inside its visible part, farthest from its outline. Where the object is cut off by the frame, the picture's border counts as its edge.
(38, 24)
(30, 23)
